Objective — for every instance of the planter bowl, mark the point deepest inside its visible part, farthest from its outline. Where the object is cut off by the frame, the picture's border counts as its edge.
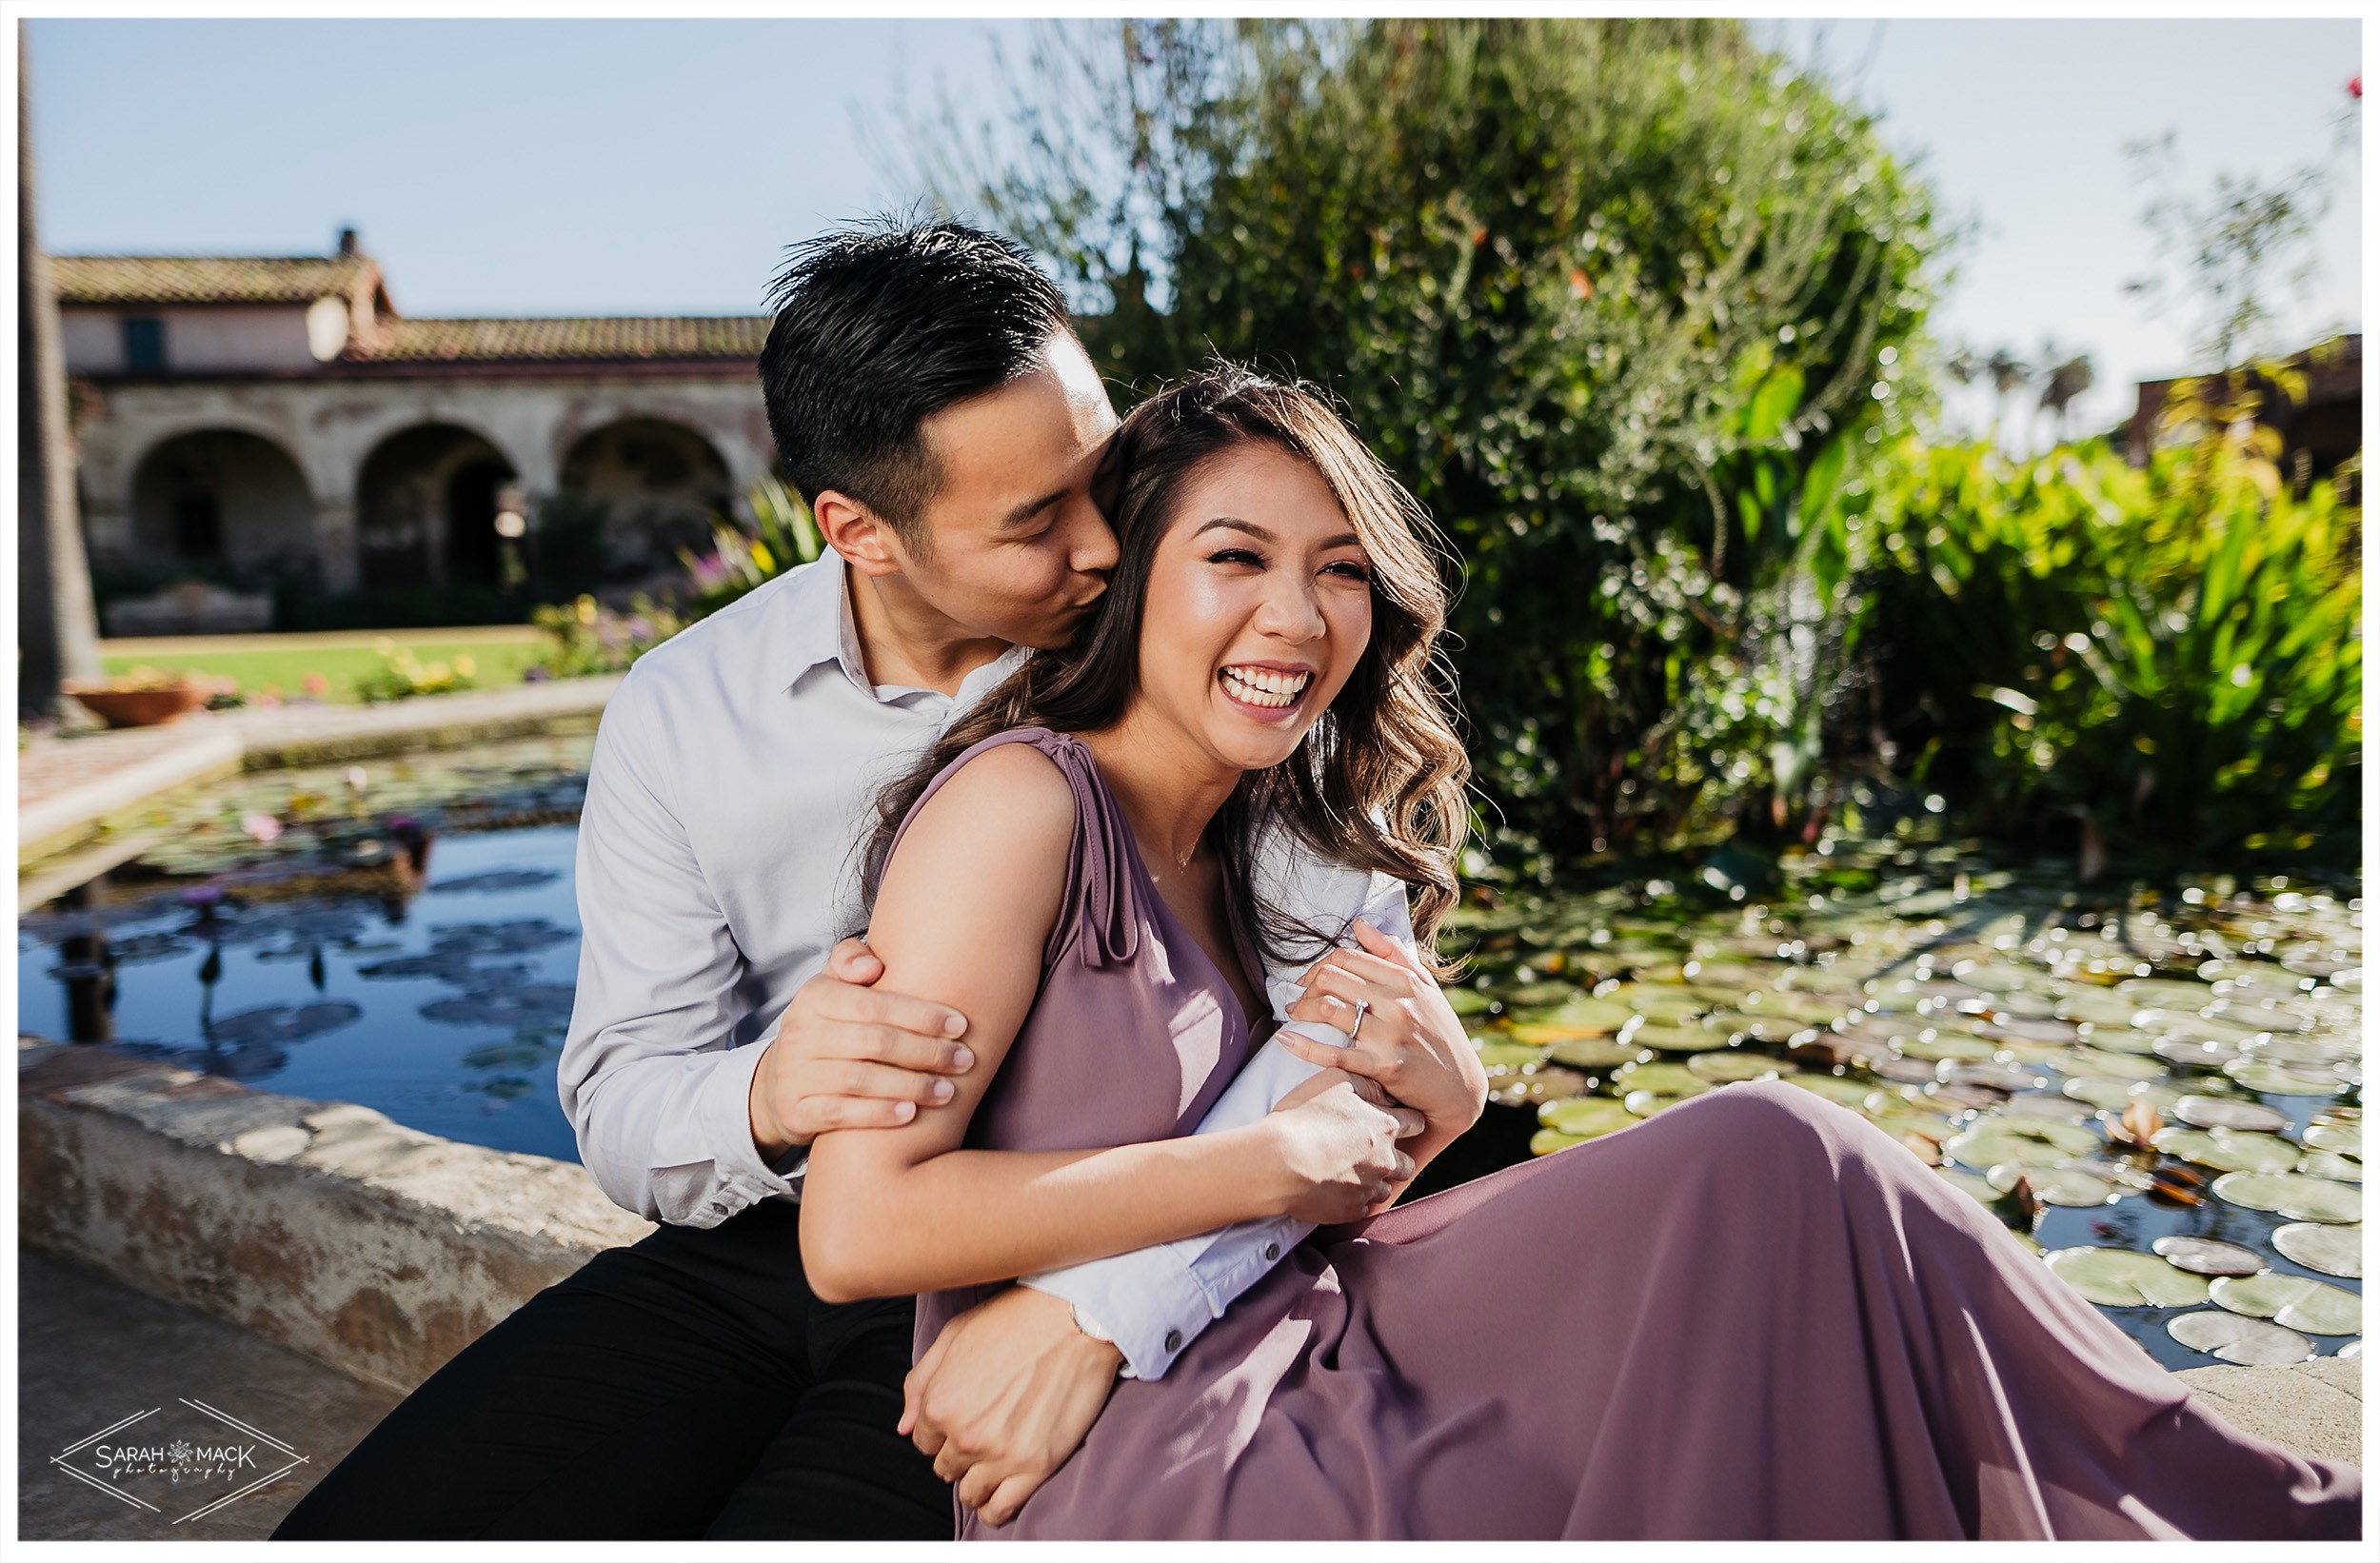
(139, 707)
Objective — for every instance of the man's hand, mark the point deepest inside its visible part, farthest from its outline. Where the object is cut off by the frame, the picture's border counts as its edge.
(1004, 1397)
(847, 1055)
(1336, 1136)
(1410, 1040)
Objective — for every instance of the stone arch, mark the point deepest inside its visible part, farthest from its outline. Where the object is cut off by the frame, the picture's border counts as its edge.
(218, 497)
(425, 504)
(659, 482)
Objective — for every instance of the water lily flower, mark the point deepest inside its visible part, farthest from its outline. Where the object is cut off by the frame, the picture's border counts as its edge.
(263, 826)
(353, 775)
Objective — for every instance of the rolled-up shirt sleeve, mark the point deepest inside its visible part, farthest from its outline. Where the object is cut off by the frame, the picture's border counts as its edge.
(650, 1076)
(1154, 1301)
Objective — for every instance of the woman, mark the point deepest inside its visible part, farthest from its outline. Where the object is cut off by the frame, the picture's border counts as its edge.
(1754, 1316)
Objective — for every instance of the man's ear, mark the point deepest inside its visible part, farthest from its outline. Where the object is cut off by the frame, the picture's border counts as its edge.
(855, 532)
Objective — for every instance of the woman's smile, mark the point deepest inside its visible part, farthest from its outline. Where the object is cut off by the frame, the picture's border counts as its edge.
(1266, 691)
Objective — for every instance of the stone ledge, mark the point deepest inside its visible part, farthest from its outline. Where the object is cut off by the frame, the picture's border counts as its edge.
(67, 787)
(375, 1248)
(2315, 1408)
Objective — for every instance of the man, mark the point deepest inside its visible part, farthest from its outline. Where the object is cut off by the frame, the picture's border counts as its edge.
(926, 388)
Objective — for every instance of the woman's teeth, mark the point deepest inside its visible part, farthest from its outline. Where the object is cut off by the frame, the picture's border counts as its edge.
(1262, 687)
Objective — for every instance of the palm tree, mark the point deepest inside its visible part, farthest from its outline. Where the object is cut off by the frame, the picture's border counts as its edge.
(56, 636)
(2008, 374)
(2067, 380)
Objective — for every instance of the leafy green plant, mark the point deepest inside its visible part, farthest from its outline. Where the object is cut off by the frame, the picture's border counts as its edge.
(590, 637)
(401, 676)
(2171, 656)
(783, 535)
(1612, 297)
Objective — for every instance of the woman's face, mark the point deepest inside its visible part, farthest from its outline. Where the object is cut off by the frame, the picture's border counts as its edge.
(1258, 607)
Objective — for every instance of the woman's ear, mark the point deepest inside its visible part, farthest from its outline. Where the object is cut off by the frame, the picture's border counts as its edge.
(855, 532)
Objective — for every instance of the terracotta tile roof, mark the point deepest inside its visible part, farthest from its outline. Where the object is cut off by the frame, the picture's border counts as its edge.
(570, 337)
(208, 279)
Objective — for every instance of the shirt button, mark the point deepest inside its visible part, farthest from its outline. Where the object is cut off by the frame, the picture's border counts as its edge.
(1272, 1251)
(1173, 1340)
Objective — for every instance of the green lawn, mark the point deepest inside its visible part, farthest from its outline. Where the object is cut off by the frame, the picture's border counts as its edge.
(498, 654)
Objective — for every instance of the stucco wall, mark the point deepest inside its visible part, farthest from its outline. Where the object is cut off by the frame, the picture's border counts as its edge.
(216, 338)
(331, 426)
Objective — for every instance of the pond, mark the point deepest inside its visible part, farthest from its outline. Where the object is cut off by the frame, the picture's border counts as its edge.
(2159, 1092)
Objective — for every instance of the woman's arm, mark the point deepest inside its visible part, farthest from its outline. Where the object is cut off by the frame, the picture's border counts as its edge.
(966, 907)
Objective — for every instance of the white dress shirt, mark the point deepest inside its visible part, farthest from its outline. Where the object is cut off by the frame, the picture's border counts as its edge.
(732, 781)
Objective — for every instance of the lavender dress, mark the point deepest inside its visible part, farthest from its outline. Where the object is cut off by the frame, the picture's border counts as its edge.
(1752, 1316)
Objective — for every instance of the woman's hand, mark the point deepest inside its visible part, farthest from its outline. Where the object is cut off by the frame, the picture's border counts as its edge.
(1410, 1041)
(1336, 1138)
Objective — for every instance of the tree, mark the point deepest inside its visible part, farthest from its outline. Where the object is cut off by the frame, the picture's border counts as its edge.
(58, 634)
(1626, 303)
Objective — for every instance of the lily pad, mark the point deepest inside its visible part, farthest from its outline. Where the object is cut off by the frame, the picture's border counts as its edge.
(1946, 1044)
(2114, 1096)
(2340, 1169)
(1546, 1142)
(1733, 1065)
(1549, 1082)
(1510, 1057)
(2120, 1066)
(2211, 1257)
(1582, 1016)
(495, 878)
(2192, 1053)
(2222, 1113)
(1646, 1103)
(2332, 1250)
(1975, 1188)
(2250, 1342)
(2076, 1187)
(2275, 1079)
(1593, 1054)
(2031, 1142)
(2097, 1007)
(2227, 1150)
(2294, 1302)
(280, 1023)
(2041, 1104)
(1847, 1093)
(1656, 1002)
(1680, 1038)
(2299, 1197)
(2124, 1278)
(502, 1006)
(2346, 1138)
(1585, 1117)
(1667, 1079)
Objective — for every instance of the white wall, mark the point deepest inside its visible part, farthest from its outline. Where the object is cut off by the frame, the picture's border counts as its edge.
(221, 337)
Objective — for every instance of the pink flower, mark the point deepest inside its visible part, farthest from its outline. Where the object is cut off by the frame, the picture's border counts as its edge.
(263, 826)
(316, 684)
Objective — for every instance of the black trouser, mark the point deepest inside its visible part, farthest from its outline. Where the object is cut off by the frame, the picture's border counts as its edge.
(686, 1386)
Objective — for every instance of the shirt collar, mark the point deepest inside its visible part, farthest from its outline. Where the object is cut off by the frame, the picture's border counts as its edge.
(826, 632)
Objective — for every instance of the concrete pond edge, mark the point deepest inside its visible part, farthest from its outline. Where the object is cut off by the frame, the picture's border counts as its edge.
(377, 1249)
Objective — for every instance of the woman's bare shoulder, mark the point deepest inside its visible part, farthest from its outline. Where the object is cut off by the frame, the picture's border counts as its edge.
(1007, 805)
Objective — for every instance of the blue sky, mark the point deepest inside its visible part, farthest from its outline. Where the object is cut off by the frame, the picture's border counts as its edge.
(625, 167)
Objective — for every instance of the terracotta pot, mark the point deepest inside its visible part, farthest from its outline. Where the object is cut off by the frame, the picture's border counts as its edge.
(139, 707)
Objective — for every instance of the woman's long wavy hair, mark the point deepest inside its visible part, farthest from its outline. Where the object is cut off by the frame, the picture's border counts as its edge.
(1377, 781)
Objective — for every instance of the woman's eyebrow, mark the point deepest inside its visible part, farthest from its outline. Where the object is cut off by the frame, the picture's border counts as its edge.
(1342, 541)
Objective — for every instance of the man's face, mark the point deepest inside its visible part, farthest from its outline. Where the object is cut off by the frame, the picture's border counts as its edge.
(1016, 548)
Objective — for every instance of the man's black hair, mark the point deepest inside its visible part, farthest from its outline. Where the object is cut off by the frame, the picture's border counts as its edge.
(878, 327)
